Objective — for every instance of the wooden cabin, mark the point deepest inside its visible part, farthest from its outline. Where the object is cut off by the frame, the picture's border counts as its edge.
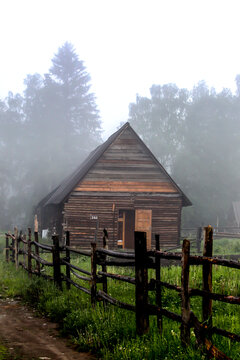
(122, 187)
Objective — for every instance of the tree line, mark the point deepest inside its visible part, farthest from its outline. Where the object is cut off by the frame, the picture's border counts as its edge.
(45, 133)
(49, 129)
(195, 134)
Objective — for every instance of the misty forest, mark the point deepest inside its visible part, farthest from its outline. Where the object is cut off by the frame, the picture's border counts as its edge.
(49, 129)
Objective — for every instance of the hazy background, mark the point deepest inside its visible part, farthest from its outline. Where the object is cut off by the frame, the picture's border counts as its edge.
(72, 71)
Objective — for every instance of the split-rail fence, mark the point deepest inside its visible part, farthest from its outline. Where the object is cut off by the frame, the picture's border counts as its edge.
(24, 251)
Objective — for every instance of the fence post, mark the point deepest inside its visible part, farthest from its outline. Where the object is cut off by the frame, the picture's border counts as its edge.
(20, 250)
(199, 236)
(104, 267)
(7, 248)
(24, 249)
(56, 262)
(68, 259)
(12, 255)
(29, 253)
(37, 251)
(94, 274)
(158, 285)
(16, 247)
(207, 276)
(141, 276)
(185, 310)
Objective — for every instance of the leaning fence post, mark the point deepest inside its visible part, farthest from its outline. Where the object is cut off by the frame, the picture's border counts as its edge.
(68, 273)
(29, 253)
(93, 274)
(104, 267)
(7, 248)
(207, 276)
(185, 326)
(56, 262)
(158, 283)
(16, 247)
(141, 276)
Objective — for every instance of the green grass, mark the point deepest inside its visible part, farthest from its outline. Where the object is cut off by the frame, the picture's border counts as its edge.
(110, 332)
(226, 246)
(4, 354)
(222, 246)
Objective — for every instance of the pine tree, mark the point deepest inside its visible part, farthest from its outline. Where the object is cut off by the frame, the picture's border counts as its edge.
(77, 106)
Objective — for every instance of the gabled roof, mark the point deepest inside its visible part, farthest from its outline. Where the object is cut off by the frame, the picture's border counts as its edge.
(58, 195)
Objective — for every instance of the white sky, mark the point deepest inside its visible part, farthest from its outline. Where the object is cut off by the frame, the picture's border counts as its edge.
(127, 45)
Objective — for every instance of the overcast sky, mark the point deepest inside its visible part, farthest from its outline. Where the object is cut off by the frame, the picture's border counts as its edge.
(127, 45)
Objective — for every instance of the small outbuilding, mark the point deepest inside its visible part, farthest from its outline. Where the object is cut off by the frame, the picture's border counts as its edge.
(122, 187)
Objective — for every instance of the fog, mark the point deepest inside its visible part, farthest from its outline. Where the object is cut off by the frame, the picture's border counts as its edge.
(47, 131)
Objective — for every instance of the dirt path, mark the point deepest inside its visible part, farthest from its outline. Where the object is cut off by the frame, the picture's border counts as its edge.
(29, 337)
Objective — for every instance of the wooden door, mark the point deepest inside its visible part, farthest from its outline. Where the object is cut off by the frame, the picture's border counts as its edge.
(143, 222)
(126, 226)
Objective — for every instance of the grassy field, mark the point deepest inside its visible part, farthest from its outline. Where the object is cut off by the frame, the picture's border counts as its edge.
(110, 332)
(226, 246)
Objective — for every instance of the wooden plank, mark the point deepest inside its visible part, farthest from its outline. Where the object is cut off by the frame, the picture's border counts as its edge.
(16, 246)
(207, 276)
(56, 262)
(125, 160)
(29, 267)
(7, 248)
(185, 308)
(158, 283)
(141, 278)
(143, 222)
(104, 267)
(68, 259)
(125, 186)
(119, 183)
(36, 247)
(93, 275)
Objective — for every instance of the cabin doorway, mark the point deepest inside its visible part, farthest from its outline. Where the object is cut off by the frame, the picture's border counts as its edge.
(143, 222)
(126, 227)
(130, 221)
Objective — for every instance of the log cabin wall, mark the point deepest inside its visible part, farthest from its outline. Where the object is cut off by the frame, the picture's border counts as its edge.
(125, 177)
(166, 212)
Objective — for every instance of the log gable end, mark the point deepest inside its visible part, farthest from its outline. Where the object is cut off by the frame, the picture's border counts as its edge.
(126, 167)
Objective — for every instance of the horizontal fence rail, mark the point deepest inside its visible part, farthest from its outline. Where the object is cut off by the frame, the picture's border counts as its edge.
(25, 252)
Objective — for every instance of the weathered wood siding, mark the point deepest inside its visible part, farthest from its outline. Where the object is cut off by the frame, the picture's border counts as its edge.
(126, 167)
(166, 215)
(125, 177)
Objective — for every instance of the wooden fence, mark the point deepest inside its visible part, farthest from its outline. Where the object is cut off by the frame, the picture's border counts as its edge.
(22, 250)
(196, 234)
